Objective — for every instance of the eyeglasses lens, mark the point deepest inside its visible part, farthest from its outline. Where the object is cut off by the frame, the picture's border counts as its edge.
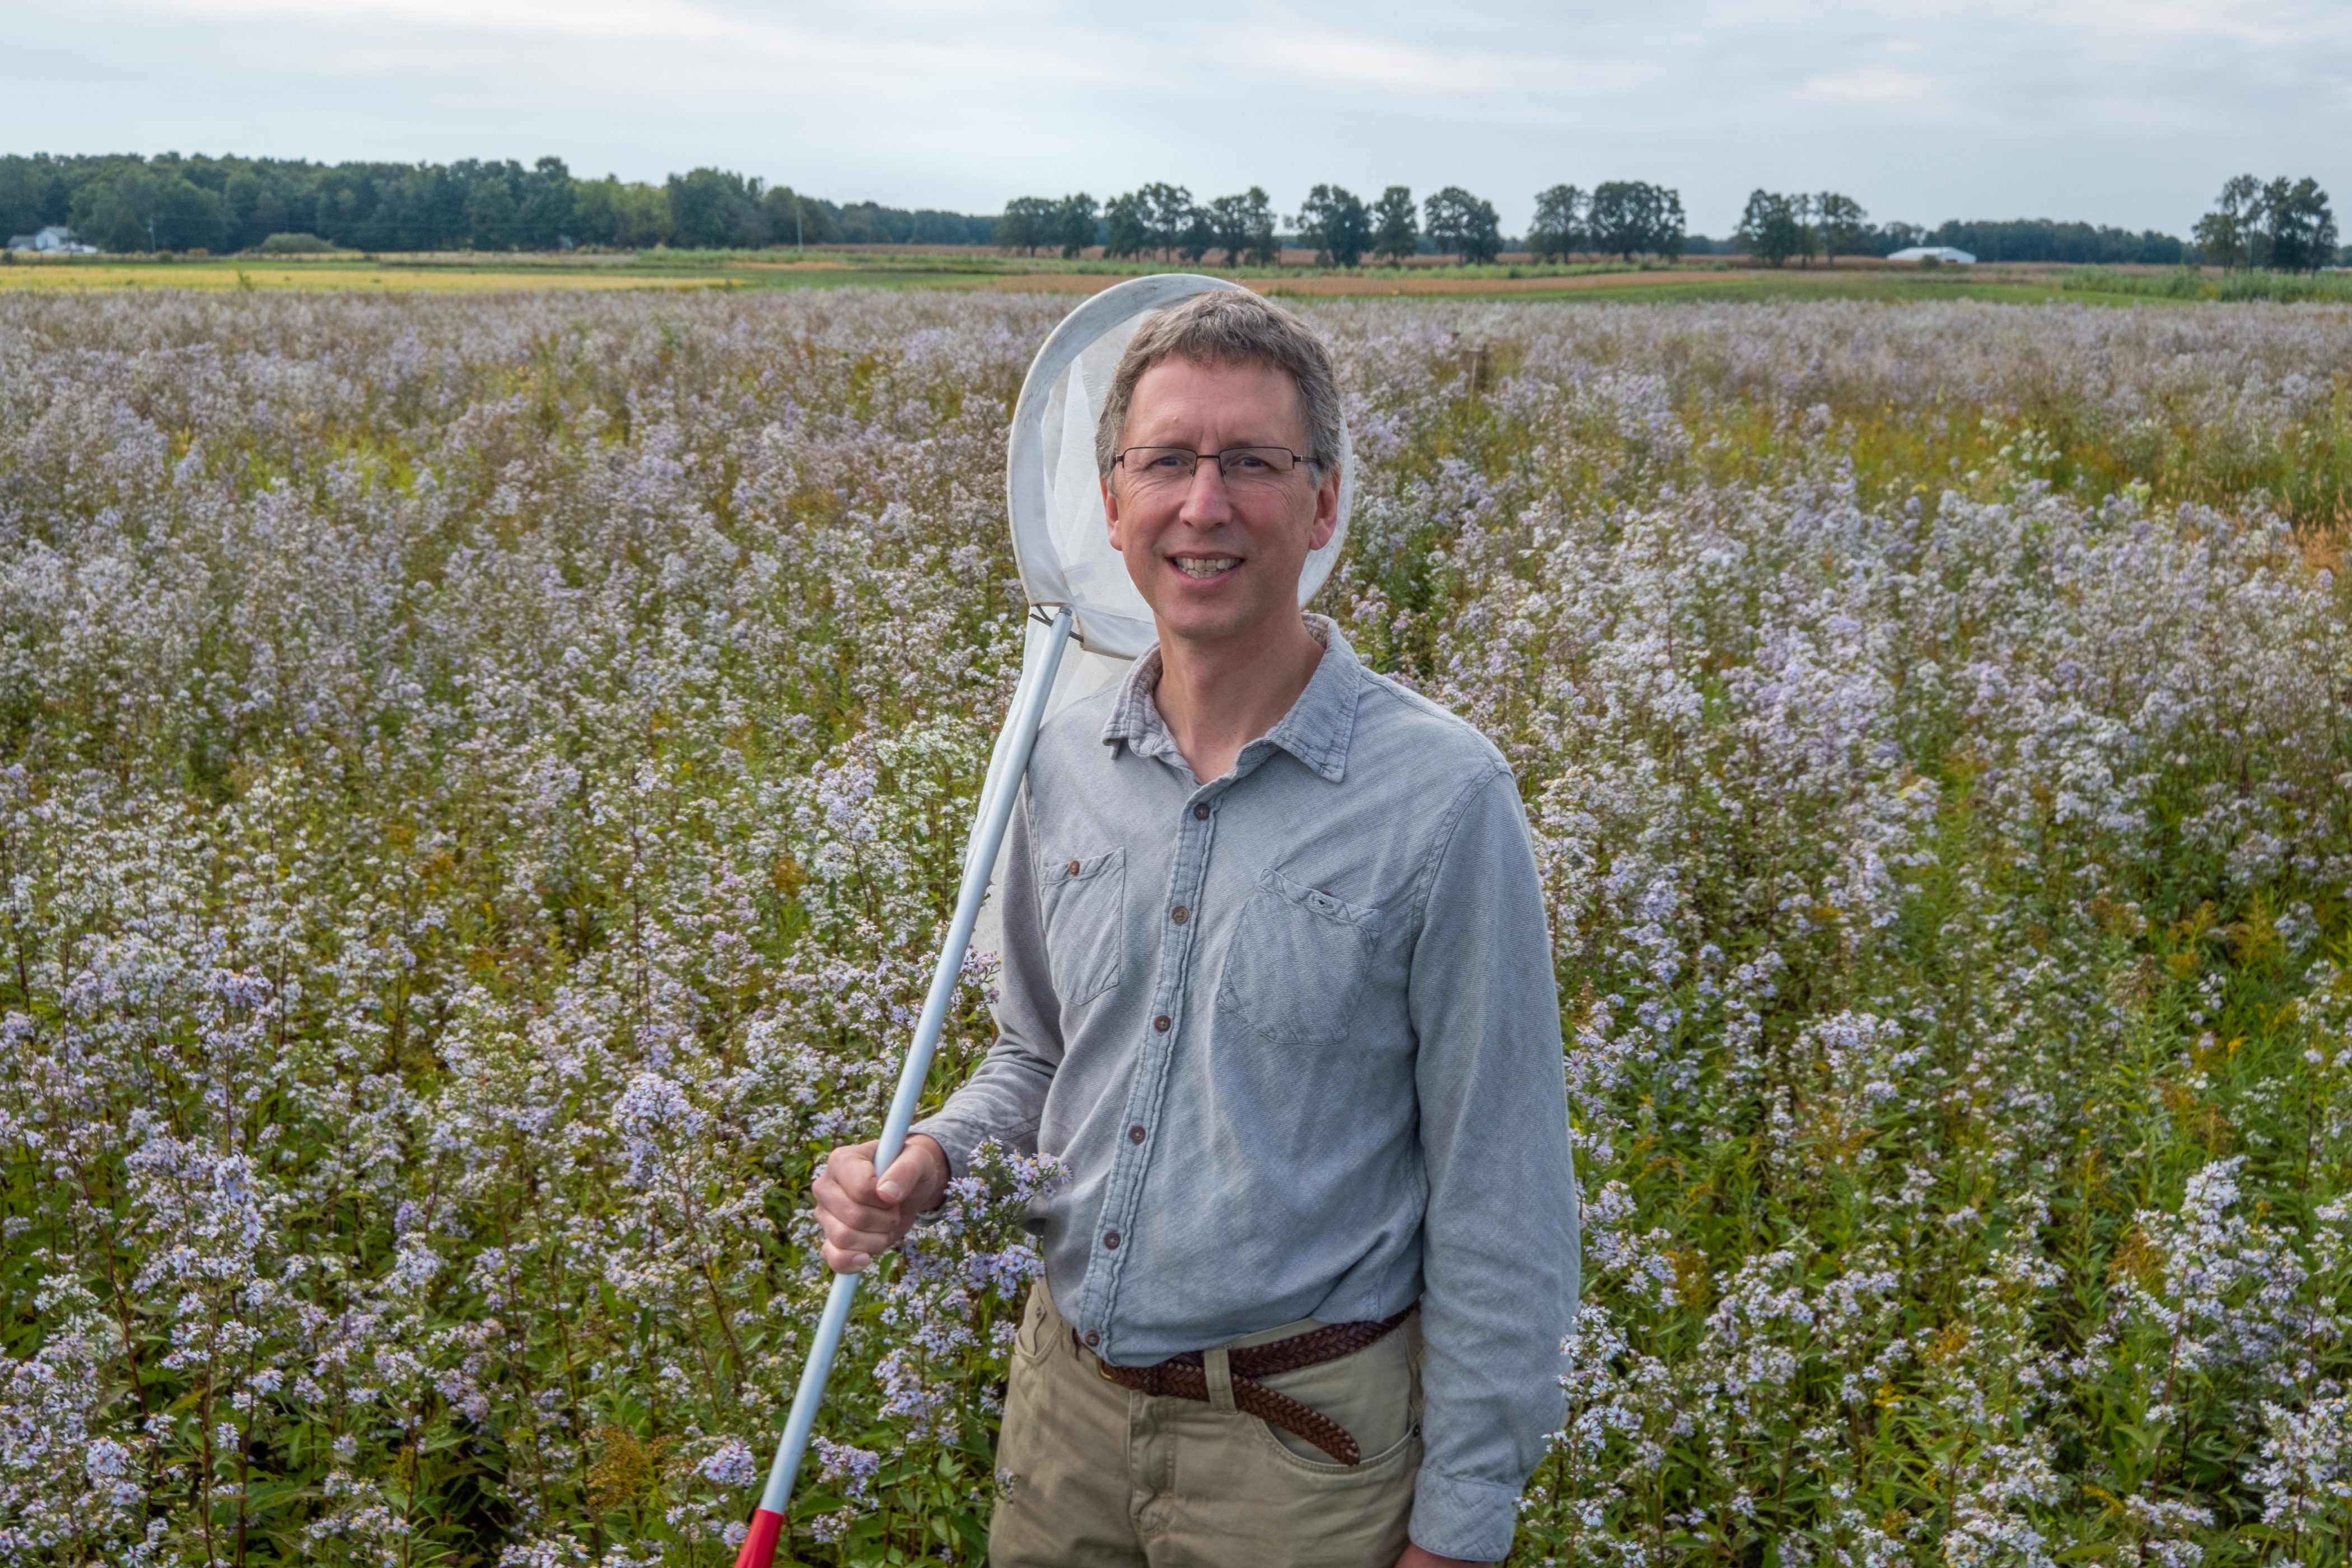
(1238, 465)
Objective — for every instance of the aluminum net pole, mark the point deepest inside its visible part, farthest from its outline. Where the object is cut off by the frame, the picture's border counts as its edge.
(997, 796)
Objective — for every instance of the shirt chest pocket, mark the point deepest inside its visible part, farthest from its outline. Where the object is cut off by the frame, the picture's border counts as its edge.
(1079, 898)
(1299, 962)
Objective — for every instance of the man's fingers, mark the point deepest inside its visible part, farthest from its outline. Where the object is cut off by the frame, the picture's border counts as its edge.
(853, 1237)
(851, 1169)
(842, 1262)
(841, 1218)
(834, 1197)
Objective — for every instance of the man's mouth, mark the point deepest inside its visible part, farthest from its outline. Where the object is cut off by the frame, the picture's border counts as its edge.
(1205, 565)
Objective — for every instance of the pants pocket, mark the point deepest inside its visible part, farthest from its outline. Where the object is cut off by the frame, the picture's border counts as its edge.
(1373, 1394)
(1033, 1338)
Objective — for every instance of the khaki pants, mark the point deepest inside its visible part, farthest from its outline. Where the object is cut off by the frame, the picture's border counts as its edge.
(1102, 1476)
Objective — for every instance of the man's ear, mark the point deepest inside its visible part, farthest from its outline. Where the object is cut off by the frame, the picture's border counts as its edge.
(1110, 515)
(1327, 511)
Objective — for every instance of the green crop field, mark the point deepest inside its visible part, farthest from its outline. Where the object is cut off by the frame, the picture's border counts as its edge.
(1697, 282)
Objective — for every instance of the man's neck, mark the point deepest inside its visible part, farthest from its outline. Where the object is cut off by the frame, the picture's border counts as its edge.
(1217, 698)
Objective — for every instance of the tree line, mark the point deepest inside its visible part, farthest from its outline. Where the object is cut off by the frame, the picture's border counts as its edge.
(128, 203)
(1624, 218)
(1777, 228)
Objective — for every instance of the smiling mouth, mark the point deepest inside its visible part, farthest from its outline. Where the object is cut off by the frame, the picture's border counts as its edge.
(1205, 565)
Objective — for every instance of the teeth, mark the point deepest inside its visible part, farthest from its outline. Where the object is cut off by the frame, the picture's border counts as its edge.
(1193, 567)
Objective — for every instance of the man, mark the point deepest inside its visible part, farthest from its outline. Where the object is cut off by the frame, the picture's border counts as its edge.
(1277, 989)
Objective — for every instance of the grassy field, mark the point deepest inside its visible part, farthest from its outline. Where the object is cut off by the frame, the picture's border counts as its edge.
(1697, 279)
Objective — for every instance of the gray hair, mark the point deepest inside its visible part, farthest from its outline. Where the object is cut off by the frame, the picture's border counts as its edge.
(1228, 326)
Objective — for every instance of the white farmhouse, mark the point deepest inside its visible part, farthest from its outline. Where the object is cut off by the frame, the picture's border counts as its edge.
(54, 240)
(1935, 253)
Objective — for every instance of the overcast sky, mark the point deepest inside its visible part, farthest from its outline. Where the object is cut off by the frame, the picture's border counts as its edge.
(2122, 113)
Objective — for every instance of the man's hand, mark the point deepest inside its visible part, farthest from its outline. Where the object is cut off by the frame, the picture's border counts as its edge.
(862, 1217)
(1414, 1557)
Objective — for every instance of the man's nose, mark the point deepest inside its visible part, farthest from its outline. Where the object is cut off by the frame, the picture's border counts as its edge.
(1207, 499)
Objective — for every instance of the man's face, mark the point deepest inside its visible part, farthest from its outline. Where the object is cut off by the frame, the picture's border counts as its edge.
(1218, 560)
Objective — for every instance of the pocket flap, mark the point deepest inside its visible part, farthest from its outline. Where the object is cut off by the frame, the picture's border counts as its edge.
(1320, 902)
(1055, 872)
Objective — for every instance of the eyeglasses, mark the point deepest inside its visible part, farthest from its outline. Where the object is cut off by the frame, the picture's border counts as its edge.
(1241, 466)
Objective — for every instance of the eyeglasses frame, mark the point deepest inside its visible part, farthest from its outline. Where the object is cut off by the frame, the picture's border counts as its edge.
(1119, 458)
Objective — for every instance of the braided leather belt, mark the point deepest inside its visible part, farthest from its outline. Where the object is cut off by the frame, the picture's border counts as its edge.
(1186, 1376)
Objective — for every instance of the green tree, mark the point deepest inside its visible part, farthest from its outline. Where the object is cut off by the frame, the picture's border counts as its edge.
(1228, 218)
(1841, 222)
(490, 216)
(2227, 234)
(146, 209)
(1027, 223)
(2298, 227)
(544, 204)
(716, 209)
(1460, 223)
(1396, 225)
(794, 219)
(1127, 225)
(1260, 248)
(1074, 223)
(1337, 225)
(1559, 229)
(1769, 229)
(33, 194)
(1199, 237)
(1629, 217)
(1167, 213)
(871, 223)
(257, 208)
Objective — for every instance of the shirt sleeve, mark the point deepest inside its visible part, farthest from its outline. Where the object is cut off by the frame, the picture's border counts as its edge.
(1499, 1243)
(1006, 1097)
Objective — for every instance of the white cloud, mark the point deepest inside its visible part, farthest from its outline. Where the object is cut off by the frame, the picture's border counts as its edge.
(2126, 113)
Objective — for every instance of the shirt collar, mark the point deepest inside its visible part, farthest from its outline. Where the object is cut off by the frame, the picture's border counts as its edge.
(1316, 731)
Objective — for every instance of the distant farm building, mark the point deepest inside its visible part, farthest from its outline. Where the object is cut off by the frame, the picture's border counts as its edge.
(56, 240)
(1935, 253)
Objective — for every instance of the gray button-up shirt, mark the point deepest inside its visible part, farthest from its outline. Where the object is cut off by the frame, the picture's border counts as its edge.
(1296, 1033)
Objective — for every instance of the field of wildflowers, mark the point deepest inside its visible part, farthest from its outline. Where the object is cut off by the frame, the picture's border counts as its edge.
(479, 778)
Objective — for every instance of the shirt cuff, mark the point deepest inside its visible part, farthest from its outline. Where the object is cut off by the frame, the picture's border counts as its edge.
(1471, 1520)
(956, 1139)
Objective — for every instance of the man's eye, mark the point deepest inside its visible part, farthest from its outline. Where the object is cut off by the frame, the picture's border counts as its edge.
(1171, 460)
(1247, 462)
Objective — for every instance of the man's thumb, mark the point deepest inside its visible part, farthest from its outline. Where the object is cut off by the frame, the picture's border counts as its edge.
(901, 1178)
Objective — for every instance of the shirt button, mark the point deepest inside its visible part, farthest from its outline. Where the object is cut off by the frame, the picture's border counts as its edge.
(1093, 1339)
(1200, 813)
(1110, 1238)
(1180, 914)
(1135, 1135)
(1160, 1023)
(1074, 868)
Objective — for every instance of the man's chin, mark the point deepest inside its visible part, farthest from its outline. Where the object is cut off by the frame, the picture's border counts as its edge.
(1205, 626)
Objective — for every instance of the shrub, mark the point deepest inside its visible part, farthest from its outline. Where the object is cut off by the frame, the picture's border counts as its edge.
(294, 245)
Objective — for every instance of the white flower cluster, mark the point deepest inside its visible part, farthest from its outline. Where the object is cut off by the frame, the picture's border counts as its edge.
(480, 781)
